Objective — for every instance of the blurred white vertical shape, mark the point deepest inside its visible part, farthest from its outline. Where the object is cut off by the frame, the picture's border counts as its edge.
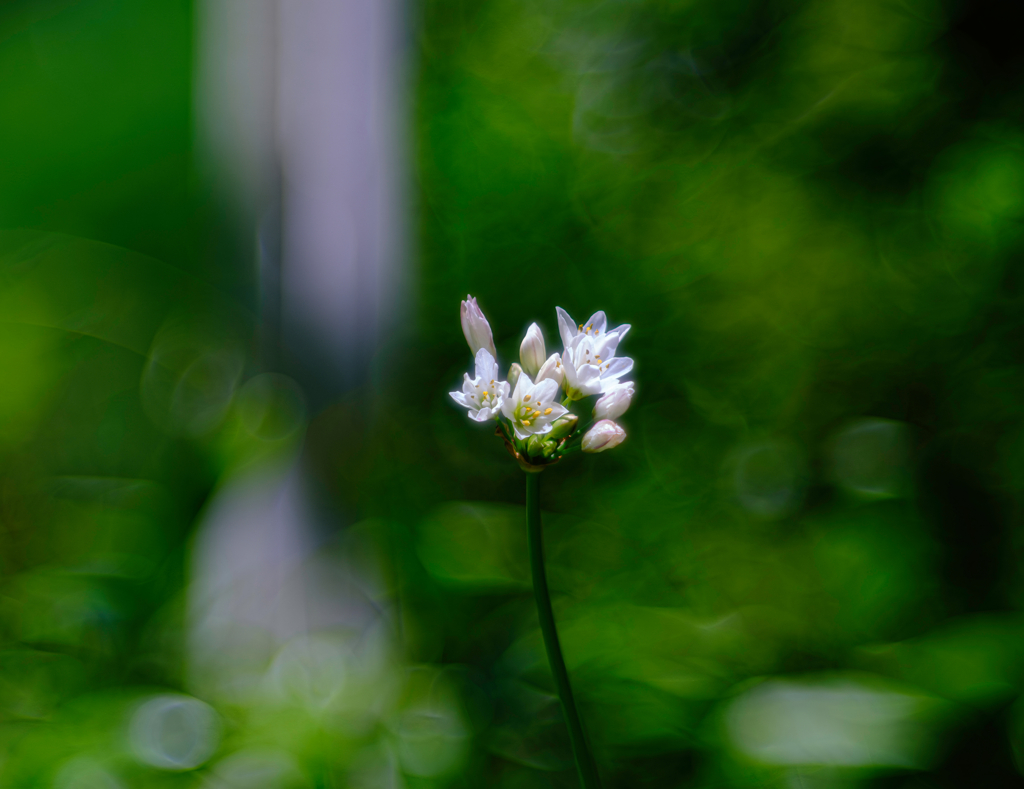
(236, 100)
(300, 111)
(258, 582)
(339, 121)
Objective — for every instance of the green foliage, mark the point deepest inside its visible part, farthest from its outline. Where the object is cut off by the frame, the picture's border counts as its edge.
(801, 569)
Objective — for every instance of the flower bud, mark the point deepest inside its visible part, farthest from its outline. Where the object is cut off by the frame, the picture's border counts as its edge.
(552, 369)
(564, 426)
(541, 445)
(604, 435)
(615, 402)
(531, 352)
(476, 328)
(513, 374)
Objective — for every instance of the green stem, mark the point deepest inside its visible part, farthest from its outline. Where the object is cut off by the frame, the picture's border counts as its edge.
(585, 764)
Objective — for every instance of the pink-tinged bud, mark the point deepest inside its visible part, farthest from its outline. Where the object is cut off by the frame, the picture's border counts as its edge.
(614, 403)
(476, 328)
(552, 369)
(532, 351)
(604, 435)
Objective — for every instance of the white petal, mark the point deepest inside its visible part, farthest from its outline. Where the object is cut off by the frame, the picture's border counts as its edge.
(621, 331)
(486, 367)
(521, 432)
(524, 387)
(597, 324)
(617, 367)
(566, 328)
(557, 411)
(461, 398)
(546, 391)
(481, 415)
(606, 345)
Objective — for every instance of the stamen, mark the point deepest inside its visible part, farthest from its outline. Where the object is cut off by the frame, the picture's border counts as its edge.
(526, 422)
(581, 327)
(525, 399)
(548, 411)
(485, 393)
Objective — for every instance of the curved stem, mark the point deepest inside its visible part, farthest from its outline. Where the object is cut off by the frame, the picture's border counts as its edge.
(585, 764)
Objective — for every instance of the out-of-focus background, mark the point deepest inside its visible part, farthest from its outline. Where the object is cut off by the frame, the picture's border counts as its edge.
(246, 540)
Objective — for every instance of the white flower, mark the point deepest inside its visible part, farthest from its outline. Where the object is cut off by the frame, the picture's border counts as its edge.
(596, 327)
(532, 407)
(552, 369)
(589, 360)
(484, 394)
(604, 435)
(615, 401)
(531, 352)
(476, 328)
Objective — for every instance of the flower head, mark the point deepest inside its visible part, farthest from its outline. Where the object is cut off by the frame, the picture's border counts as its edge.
(483, 395)
(615, 402)
(603, 435)
(476, 328)
(532, 407)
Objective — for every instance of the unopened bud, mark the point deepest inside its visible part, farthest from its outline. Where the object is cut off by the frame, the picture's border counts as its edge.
(614, 403)
(604, 435)
(531, 352)
(513, 374)
(476, 328)
(552, 369)
(541, 445)
(564, 426)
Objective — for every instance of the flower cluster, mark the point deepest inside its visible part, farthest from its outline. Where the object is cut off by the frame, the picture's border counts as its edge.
(532, 406)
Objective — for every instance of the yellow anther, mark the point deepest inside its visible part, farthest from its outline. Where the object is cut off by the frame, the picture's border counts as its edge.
(527, 398)
(581, 327)
(485, 393)
(548, 411)
(526, 422)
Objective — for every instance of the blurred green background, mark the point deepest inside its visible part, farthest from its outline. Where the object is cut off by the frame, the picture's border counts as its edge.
(802, 570)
